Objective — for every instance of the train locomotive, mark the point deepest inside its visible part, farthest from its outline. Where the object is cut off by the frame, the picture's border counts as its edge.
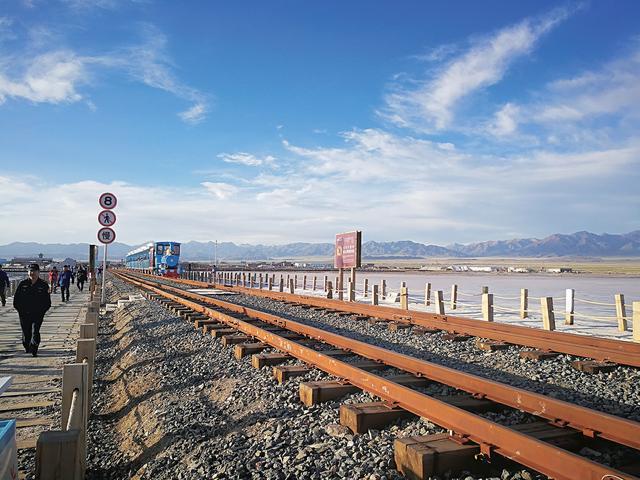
(162, 258)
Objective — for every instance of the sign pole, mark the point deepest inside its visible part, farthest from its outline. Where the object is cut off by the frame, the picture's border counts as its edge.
(104, 271)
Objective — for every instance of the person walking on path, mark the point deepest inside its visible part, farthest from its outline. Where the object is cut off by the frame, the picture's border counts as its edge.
(4, 283)
(65, 281)
(32, 300)
(53, 279)
(81, 277)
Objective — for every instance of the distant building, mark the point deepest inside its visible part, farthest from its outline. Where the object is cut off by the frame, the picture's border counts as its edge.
(518, 270)
(24, 261)
(560, 270)
(481, 269)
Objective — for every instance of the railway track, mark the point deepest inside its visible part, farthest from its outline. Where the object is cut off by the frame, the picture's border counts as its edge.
(537, 445)
(605, 352)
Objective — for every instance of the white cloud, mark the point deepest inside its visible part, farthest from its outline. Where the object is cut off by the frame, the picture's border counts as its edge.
(51, 77)
(195, 114)
(429, 104)
(505, 121)
(220, 190)
(55, 76)
(247, 159)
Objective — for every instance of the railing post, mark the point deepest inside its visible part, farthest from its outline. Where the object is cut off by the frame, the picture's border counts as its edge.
(427, 294)
(454, 296)
(304, 282)
(292, 289)
(487, 307)
(352, 290)
(636, 321)
(260, 281)
(439, 302)
(326, 279)
(548, 317)
(404, 298)
(270, 283)
(621, 312)
(281, 283)
(340, 284)
(569, 306)
(75, 377)
(524, 302)
(383, 288)
(329, 289)
(485, 290)
(366, 287)
(315, 282)
(374, 297)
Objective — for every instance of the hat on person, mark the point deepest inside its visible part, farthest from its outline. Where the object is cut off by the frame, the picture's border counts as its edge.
(34, 266)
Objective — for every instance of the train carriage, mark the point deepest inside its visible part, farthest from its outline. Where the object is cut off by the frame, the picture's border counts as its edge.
(163, 258)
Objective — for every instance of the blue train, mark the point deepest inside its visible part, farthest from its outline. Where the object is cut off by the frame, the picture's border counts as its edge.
(163, 258)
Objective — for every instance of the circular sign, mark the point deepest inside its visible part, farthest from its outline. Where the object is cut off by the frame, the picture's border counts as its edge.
(108, 200)
(106, 218)
(106, 235)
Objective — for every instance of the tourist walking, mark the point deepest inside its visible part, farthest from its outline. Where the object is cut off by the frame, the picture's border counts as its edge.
(81, 277)
(4, 283)
(32, 300)
(65, 281)
(53, 279)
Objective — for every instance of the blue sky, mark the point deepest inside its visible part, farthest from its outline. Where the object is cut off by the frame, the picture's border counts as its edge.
(273, 122)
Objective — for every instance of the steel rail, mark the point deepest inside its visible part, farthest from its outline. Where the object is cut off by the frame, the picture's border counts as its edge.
(589, 346)
(492, 437)
(591, 423)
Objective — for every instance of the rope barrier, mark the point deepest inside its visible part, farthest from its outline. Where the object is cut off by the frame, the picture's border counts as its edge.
(591, 302)
(594, 317)
(506, 298)
(469, 294)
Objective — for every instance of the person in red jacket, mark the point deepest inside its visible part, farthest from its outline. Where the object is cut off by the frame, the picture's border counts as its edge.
(53, 279)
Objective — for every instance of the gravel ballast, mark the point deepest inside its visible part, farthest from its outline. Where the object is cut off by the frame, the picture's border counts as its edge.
(172, 403)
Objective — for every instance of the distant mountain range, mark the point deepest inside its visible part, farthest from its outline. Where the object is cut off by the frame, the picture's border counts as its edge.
(581, 244)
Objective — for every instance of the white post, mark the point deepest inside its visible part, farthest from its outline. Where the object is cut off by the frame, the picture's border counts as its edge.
(487, 307)
(569, 306)
(636, 321)
(427, 294)
(454, 296)
(621, 312)
(374, 298)
(439, 302)
(548, 317)
(524, 302)
(104, 273)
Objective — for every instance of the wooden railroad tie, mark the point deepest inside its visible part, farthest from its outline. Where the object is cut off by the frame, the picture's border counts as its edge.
(282, 373)
(491, 345)
(210, 327)
(538, 355)
(201, 322)
(228, 340)
(593, 366)
(222, 332)
(243, 349)
(398, 326)
(424, 330)
(269, 359)
(456, 337)
(423, 457)
(375, 321)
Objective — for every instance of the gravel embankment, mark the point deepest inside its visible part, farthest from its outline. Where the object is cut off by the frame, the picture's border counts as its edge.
(616, 392)
(171, 403)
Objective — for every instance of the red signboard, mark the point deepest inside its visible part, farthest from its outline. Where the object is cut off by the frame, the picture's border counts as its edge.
(348, 247)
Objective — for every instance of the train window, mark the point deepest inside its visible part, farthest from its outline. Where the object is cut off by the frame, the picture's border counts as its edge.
(175, 249)
(159, 249)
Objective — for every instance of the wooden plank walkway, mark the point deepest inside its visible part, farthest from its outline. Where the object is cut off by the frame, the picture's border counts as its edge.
(35, 395)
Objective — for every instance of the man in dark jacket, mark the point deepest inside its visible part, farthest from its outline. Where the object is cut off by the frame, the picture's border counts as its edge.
(32, 300)
(4, 283)
(82, 277)
(64, 281)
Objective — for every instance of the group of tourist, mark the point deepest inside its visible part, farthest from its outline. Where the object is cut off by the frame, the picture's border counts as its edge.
(32, 298)
(65, 278)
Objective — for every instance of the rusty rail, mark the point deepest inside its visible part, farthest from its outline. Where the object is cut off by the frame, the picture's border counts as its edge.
(490, 436)
(624, 353)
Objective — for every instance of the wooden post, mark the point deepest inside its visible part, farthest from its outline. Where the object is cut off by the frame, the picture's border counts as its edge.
(366, 287)
(287, 279)
(75, 377)
(374, 298)
(487, 307)
(295, 281)
(569, 306)
(383, 288)
(524, 302)
(636, 322)
(329, 289)
(485, 290)
(341, 284)
(439, 302)
(86, 351)
(326, 279)
(352, 285)
(621, 312)
(260, 284)
(270, 283)
(281, 283)
(427, 294)
(291, 287)
(404, 298)
(315, 282)
(88, 330)
(304, 282)
(548, 317)
(454, 296)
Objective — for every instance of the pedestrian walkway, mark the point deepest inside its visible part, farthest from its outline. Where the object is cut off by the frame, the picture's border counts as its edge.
(35, 397)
